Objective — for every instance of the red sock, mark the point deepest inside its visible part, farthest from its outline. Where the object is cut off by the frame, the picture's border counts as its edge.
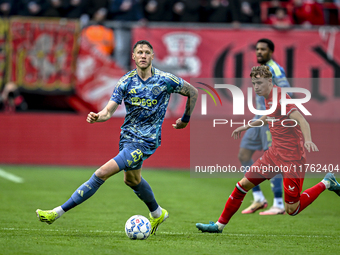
(308, 196)
(233, 203)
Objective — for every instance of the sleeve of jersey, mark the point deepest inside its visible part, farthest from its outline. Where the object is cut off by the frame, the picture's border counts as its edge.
(280, 80)
(118, 93)
(174, 83)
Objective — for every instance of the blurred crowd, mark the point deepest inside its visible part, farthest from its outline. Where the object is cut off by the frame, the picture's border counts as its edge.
(281, 13)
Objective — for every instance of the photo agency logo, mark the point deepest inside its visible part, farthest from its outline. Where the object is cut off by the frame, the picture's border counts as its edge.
(238, 99)
(204, 97)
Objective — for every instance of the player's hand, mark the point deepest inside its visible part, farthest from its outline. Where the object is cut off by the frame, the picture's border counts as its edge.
(179, 124)
(310, 146)
(92, 117)
(237, 132)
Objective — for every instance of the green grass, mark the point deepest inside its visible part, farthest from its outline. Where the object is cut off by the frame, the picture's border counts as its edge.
(97, 226)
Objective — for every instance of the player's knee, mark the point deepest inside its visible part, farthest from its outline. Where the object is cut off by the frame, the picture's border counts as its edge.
(291, 213)
(243, 157)
(292, 210)
(246, 184)
(102, 174)
(131, 182)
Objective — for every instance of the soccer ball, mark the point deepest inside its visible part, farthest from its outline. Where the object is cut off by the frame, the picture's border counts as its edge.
(137, 227)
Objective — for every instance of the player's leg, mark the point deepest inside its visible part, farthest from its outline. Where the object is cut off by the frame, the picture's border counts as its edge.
(278, 204)
(309, 195)
(142, 189)
(276, 182)
(294, 202)
(232, 205)
(131, 160)
(252, 178)
(250, 143)
(84, 192)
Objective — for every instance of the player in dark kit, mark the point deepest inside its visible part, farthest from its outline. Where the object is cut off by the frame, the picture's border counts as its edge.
(286, 153)
(146, 93)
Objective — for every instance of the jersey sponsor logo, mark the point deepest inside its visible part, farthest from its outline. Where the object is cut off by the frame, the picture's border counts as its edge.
(156, 90)
(291, 188)
(143, 101)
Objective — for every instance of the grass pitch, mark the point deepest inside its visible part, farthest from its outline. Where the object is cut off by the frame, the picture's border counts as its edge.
(97, 225)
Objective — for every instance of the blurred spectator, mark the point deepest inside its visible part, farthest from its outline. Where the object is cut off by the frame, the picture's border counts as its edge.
(101, 37)
(217, 11)
(11, 100)
(186, 11)
(56, 8)
(280, 19)
(308, 12)
(7, 8)
(98, 10)
(246, 11)
(76, 8)
(275, 4)
(124, 10)
(157, 10)
(331, 12)
(32, 7)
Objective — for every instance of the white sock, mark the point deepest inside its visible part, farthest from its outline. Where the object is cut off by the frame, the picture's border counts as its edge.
(278, 202)
(157, 213)
(258, 196)
(220, 226)
(59, 211)
(327, 183)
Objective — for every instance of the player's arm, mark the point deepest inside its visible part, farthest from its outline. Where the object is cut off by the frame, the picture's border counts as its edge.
(304, 125)
(104, 114)
(257, 123)
(191, 93)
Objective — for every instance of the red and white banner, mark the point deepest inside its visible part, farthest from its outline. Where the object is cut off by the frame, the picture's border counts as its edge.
(43, 54)
(97, 75)
(229, 55)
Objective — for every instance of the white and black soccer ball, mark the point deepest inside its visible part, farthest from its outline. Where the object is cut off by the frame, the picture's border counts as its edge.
(137, 227)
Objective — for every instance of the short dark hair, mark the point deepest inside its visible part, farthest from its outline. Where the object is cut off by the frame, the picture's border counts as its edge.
(268, 42)
(142, 42)
(262, 71)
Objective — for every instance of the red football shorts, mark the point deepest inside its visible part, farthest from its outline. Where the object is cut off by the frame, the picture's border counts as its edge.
(269, 165)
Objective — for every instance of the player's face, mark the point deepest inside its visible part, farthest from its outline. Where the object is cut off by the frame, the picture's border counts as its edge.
(263, 53)
(142, 56)
(262, 86)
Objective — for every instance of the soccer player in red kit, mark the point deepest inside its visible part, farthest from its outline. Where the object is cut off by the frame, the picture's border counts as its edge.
(287, 155)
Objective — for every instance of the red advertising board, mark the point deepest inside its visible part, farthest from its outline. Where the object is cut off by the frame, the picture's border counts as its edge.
(229, 55)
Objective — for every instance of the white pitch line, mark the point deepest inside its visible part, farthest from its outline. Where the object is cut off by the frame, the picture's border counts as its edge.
(10, 177)
(165, 233)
